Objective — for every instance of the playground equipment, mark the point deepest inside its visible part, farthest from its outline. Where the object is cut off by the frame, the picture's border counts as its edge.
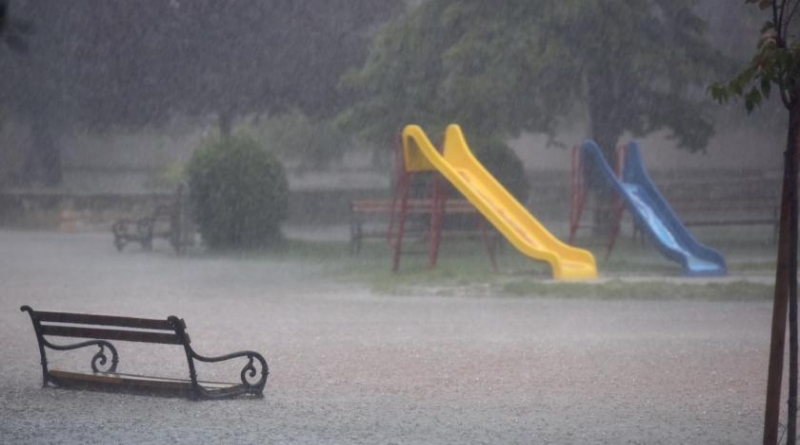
(651, 212)
(435, 204)
(459, 166)
(578, 192)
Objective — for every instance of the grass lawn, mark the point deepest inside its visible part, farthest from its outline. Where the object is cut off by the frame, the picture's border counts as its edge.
(634, 270)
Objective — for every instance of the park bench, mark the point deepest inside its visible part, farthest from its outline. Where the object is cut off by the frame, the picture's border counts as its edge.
(729, 212)
(758, 213)
(751, 202)
(168, 221)
(362, 210)
(143, 230)
(99, 329)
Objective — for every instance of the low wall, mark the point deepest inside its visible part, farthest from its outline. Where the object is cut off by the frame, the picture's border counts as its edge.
(73, 211)
(98, 211)
(549, 200)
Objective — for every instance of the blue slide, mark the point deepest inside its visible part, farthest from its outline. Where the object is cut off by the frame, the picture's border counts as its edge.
(652, 213)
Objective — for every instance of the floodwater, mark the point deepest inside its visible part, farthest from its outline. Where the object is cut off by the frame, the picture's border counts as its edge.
(350, 367)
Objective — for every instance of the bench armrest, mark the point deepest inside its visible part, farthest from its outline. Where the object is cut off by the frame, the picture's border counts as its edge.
(98, 359)
(249, 371)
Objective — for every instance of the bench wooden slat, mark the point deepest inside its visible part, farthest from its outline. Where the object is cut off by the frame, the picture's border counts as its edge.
(731, 222)
(134, 383)
(413, 206)
(117, 382)
(363, 209)
(106, 320)
(111, 334)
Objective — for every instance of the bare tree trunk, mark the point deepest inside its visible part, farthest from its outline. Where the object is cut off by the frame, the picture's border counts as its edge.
(785, 288)
(605, 131)
(43, 161)
(606, 137)
(794, 140)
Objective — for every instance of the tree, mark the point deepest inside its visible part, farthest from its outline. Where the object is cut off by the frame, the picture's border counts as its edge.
(104, 63)
(527, 65)
(13, 31)
(230, 59)
(34, 87)
(524, 65)
(777, 64)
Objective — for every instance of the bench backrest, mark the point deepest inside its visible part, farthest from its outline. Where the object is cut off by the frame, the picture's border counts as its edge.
(144, 330)
(412, 206)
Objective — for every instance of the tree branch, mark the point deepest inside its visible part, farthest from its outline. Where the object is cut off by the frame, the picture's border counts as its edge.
(791, 14)
(785, 97)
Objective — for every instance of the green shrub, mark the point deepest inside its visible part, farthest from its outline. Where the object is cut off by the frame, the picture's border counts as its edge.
(167, 177)
(239, 193)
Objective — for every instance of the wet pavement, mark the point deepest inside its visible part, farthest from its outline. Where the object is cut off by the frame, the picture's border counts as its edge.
(350, 367)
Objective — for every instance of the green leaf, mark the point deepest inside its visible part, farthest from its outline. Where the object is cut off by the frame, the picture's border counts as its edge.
(522, 67)
(766, 86)
(719, 92)
(752, 99)
(748, 104)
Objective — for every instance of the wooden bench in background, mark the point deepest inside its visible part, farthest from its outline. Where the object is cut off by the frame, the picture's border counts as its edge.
(362, 210)
(725, 201)
(100, 329)
(729, 211)
(761, 212)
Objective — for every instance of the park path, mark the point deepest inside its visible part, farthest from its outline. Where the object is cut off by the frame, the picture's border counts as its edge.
(350, 367)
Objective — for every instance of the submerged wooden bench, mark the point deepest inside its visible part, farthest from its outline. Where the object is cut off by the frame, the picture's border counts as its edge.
(171, 331)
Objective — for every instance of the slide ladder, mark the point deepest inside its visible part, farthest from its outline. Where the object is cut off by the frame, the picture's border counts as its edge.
(653, 214)
(460, 167)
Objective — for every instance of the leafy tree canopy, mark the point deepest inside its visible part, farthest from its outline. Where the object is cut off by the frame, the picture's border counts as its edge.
(776, 62)
(103, 63)
(501, 68)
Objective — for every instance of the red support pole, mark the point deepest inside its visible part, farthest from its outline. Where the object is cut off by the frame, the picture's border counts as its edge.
(577, 192)
(618, 205)
(402, 188)
(437, 216)
(487, 242)
(397, 179)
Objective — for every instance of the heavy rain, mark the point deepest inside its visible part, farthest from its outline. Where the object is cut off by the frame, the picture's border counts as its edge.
(398, 221)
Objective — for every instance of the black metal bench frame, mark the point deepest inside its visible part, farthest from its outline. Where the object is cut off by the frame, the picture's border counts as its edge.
(142, 230)
(175, 216)
(104, 376)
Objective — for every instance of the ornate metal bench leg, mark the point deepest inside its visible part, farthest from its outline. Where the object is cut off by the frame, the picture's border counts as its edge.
(119, 229)
(145, 228)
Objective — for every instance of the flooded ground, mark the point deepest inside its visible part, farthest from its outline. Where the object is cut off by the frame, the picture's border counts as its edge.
(348, 366)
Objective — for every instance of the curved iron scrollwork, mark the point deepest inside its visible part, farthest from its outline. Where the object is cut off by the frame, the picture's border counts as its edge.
(98, 359)
(249, 372)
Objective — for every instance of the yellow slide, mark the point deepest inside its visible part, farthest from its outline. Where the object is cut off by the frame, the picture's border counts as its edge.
(526, 233)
